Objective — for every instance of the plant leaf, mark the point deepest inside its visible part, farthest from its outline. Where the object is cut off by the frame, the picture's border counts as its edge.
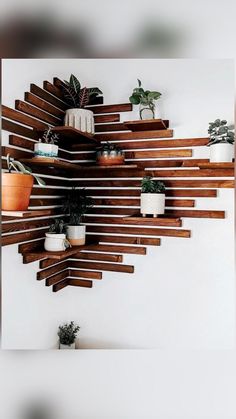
(83, 97)
(134, 99)
(94, 91)
(70, 96)
(139, 83)
(74, 83)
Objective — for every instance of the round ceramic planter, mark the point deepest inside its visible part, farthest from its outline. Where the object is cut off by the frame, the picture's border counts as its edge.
(110, 159)
(16, 191)
(45, 150)
(72, 346)
(55, 242)
(81, 119)
(221, 152)
(152, 203)
(76, 235)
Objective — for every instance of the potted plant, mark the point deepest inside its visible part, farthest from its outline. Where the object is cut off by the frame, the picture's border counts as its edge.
(17, 185)
(55, 240)
(67, 335)
(46, 146)
(77, 97)
(110, 155)
(76, 204)
(146, 101)
(221, 141)
(152, 197)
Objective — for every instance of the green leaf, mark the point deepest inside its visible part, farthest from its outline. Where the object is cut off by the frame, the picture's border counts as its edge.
(134, 99)
(74, 83)
(94, 91)
(154, 95)
(139, 83)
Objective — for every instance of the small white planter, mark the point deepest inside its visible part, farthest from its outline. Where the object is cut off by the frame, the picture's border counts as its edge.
(55, 242)
(221, 152)
(45, 150)
(72, 346)
(76, 235)
(81, 119)
(152, 203)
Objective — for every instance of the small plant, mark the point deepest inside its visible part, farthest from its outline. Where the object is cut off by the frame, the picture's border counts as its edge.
(109, 148)
(76, 96)
(49, 137)
(67, 333)
(58, 227)
(144, 97)
(18, 167)
(220, 132)
(152, 186)
(76, 204)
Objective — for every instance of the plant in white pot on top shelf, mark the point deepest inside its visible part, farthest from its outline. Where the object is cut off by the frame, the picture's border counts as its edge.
(67, 335)
(56, 240)
(46, 146)
(76, 204)
(77, 98)
(152, 197)
(146, 100)
(221, 141)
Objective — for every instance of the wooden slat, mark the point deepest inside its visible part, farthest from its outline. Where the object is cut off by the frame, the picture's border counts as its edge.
(158, 153)
(147, 125)
(84, 274)
(15, 153)
(36, 112)
(136, 202)
(210, 193)
(25, 225)
(103, 119)
(43, 94)
(169, 163)
(34, 202)
(54, 90)
(185, 142)
(26, 214)
(18, 129)
(60, 285)
(51, 163)
(147, 241)
(210, 165)
(23, 237)
(51, 271)
(169, 232)
(197, 213)
(22, 118)
(121, 107)
(102, 266)
(99, 256)
(60, 255)
(160, 221)
(79, 283)
(26, 247)
(194, 173)
(196, 183)
(120, 249)
(45, 106)
(138, 135)
(56, 278)
(110, 128)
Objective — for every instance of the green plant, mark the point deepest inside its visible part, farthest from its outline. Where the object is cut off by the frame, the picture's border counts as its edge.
(107, 148)
(152, 186)
(220, 132)
(76, 96)
(49, 137)
(18, 167)
(67, 333)
(58, 226)
(76, 204)
(144, 97)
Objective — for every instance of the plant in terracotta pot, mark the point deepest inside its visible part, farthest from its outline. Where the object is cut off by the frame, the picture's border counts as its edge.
(76, 204)
(152, 197)
(221, 141)
(77, 98)
(110, 155)
(17, 185)
(46, 146)
(55, 240)
(146, 100)
(67, 335)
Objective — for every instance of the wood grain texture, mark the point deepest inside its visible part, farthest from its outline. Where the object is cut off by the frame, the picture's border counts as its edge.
(119, 249)
(177, 142)
(79, 283)
(102, 266)
(120, 107)
(169, 183)
(23, 237)
(209, 193)
(36, 112)
(79, 273)
(159, 221)
(22, 118)
(44, 105)
(197, 213)
(52, 270)
(98, 256)
(138, 135)
(136, 202)
(169, 232)
(56, 278)
(147, 241)
(45, 95)
(18, 129)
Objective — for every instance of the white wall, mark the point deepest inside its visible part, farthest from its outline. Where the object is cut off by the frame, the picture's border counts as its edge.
(182, 293)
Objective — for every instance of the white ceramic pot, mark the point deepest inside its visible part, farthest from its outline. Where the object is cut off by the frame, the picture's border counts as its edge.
(81, 119)
(76, 235)
(72, 346)
(45, 150)
(55, 242)
(152, 203)
(221, 152)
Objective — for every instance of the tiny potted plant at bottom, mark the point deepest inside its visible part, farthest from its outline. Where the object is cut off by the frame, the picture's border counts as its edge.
(67, 335)
(152, 197)
(55, 240)
(221, 141)
(46, 146)
(76, 204)
(110, 155)
(17, 185)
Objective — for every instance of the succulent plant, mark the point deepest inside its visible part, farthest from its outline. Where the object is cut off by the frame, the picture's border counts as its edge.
(49, 137)
(76, 96)
(149, 185)
(58, 226)
(108, 148)
(220, 132)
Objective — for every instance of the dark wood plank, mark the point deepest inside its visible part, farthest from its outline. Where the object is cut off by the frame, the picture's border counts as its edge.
(60, 285)
(136, 202)
(36, 112)
(22, 118)
(98, 256)
(79, 273)
(138, 135)
(54, 90)
(147, 241)
(195, 183)
(194, 173)
(121, 107)
(18, 129)
(141, 154)
(51, 271)
(45, 106)
(56, 278)
(197, 213)
(103, 119)
(194, 193)
(57, 255)
(211, 165)
(119, 249)
(168, 232)
(43, 94)
(23, 237)
(147, 124)
(102, 266)
(79, 283)
(110, 128)
(174, 143)
(51, 163)
(160, 221)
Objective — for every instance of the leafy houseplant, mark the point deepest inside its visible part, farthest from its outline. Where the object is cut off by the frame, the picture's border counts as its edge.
(76, 204)
(152, 197)
(77, 98)
(110, 155)
(17, 185)
(55, 240)
(67, 335)
(146, 99)
(221, 141)
(46, 146)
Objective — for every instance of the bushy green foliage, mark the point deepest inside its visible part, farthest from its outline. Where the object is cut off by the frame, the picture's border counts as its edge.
(220, 132)
(18, 167)
(67, 333)
(58, 226)
(144, 97)
(76, 96)
(149, 185)
(76, 204)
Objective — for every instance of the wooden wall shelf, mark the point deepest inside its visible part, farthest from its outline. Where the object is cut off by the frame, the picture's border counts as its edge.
(210, 165)
(26, 214)
(51, 164)
(147, 124)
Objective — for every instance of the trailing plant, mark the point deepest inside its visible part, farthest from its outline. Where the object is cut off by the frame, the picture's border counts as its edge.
(144, 97)
(108, 148)
(149, 185)
(58, 226)
(49, 137)
(77, 96)
(18, 167)
(220, 132)
(67, 333)
(76, 204)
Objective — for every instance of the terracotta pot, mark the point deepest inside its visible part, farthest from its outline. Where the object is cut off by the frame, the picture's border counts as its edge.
(110, 160)
(16, 191)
